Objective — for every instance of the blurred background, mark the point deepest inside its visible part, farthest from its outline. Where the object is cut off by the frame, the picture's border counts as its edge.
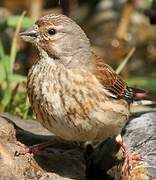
(122, 32)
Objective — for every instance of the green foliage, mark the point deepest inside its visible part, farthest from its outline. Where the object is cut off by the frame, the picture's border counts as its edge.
(147, 2)
(125, 61)
(20, 106)
(7, 77)
(147, 83)
(11, 99)
(12, 21)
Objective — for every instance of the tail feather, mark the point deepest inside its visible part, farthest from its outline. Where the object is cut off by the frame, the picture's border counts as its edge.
(140, 94)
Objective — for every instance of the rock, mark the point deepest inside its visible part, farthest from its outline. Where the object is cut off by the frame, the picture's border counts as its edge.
(65, 160)
(7, 130)
(140, 136)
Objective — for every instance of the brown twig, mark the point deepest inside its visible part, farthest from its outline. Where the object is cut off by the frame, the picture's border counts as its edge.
(35, 9)
(125, 61)
(124, 23)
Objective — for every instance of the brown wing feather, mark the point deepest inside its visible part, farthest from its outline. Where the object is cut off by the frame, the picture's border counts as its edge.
(110, 80)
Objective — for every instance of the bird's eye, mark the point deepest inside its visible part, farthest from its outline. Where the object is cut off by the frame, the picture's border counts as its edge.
(51, 31)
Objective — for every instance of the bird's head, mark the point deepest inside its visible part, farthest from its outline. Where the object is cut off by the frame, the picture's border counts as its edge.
(59, 38)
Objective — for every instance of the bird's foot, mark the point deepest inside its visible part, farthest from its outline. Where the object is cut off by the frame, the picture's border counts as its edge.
(35, 149)
(131, 159)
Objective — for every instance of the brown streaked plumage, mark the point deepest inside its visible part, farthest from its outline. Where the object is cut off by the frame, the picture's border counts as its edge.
(73, 93)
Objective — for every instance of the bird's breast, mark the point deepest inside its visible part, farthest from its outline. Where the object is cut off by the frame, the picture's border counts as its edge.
(72, 104)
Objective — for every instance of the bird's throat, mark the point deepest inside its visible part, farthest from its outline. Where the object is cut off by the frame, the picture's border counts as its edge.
(69, 60)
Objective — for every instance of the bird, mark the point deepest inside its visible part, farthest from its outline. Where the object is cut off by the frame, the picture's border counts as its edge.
(73, 92)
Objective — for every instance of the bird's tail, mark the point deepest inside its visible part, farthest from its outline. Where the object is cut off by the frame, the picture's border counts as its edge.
(140, 94)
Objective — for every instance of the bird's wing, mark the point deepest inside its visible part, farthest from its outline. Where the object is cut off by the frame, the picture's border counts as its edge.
(110, 80)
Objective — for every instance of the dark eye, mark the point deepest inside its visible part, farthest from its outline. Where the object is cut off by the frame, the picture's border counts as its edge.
(51, 31)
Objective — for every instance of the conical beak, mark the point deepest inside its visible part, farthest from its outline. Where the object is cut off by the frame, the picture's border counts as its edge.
(30, 35)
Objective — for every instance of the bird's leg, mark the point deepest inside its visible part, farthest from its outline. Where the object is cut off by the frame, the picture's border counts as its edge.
(129, 157)
(36, 149)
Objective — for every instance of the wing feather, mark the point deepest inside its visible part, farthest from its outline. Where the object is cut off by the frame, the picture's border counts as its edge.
(110, 80)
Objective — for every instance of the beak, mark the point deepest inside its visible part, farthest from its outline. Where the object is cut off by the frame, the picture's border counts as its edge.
(30, 35)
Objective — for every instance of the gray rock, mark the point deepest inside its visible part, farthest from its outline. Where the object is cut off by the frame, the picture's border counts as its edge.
(65, 160)
(140, 135)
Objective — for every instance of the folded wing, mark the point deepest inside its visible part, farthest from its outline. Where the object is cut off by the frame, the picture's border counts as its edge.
(111, 81)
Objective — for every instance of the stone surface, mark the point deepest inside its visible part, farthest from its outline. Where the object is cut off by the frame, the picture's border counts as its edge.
(140, 135)
(65, 160)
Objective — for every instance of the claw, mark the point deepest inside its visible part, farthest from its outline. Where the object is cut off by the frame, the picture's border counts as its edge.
(130, 160)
